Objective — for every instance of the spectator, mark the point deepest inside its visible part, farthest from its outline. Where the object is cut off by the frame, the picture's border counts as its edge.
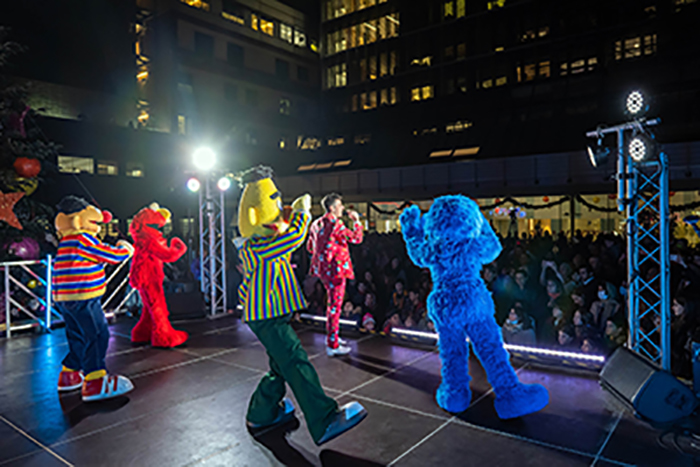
(583, 325)
(566, 338)
(393, 321)
(399, 299)
(683, 325)
(519, 327)
(605, 307)
(615, 333)
(368, 322)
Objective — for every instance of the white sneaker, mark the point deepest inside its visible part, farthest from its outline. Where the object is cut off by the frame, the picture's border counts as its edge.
(339, 352)
(342, 341)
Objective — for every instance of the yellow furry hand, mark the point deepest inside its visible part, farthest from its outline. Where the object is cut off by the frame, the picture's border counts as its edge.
(302, 203)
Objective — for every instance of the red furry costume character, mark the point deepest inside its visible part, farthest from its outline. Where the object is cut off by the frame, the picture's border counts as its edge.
(151, 250)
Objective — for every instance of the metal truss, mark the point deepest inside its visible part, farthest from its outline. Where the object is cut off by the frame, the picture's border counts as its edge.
(212, 247)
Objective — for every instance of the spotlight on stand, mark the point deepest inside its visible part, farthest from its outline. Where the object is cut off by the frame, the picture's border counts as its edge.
(642, 147)
(599, 154)
(224, 183)
(636, 104)
(204, 159)
(193, 185)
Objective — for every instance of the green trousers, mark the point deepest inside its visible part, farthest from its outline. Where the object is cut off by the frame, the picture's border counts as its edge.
(289, 364)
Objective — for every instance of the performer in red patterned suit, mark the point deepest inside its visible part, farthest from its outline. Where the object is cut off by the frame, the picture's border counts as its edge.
(330, 262)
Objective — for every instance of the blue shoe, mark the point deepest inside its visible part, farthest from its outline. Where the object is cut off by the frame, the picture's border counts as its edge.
(520, 400)
(285, 414)
(349, 416)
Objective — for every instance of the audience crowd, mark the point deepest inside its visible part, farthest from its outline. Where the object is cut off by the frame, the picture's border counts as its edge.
(548, 290)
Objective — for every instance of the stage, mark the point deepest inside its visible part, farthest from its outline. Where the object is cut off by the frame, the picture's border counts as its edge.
(189, 405)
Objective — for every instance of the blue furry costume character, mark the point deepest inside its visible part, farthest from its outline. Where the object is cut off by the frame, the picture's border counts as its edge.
(454, 240)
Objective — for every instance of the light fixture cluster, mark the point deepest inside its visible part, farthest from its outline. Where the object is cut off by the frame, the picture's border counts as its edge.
(204, 159)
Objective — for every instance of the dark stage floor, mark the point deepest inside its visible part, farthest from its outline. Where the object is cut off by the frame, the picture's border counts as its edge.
(189, 404)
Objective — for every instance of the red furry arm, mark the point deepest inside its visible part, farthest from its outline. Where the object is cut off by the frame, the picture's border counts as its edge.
(168, 254)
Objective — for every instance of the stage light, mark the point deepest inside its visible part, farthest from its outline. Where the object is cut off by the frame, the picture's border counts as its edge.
(599, 154)
(224, 183)
(638, 149)
(635, 103)
(193, 185)
(204, 159)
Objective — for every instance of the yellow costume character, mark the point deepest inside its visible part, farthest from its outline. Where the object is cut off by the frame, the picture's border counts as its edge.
(269, 294)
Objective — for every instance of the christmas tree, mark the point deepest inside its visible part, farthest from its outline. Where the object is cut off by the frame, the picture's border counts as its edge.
(26, 225)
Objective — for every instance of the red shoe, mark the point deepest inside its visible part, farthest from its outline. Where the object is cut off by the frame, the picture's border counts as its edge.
(70, 380)
(107, 387)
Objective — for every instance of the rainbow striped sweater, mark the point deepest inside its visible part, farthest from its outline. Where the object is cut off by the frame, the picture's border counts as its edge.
(269, 288)
(78, 272)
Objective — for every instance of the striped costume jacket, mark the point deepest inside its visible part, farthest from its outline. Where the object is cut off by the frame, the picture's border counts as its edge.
(79, 271)
(269, 288)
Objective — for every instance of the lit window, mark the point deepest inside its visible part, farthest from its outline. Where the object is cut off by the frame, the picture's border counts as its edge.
(267, 27)
(383, 67)
(650, 44)
(543, 31)
(254, 21)
(363, 100)
(112, 229)
(578, 66)
(564, 69)
(202, 5)
(423, 61)
(448, 9)
(495, 4)
(427, 92)
(501, 81)
(462, 84)
(461, 8)
(372, 100)
(458, 126)
(415, 94)
(75, 165)
(142, 75)
(527, 35)
(337, 76)
(181, 125)
(285, 106)
(545, 69)
(286, 33)
(143, 117)
(308, 143)
(231, 11)
(373, 67)
(393, 59)
(633, 47)
(487, 84)
(336, 141)
(107, 168)
(283, 143)
(299, 38)
(384, 97)
(362, 4)
(393, 96)
(134, 169)
(383, 31)
(234, 18)
(592, 62)
(392, 25)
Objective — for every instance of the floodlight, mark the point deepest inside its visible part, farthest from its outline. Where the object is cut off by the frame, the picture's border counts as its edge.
(638, 149)
(193, 185)
(224, 183)
(635, 103)
(598, 154)
(204, 159)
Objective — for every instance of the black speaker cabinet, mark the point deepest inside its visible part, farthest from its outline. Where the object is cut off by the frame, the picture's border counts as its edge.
(654, 394)
(185, 301)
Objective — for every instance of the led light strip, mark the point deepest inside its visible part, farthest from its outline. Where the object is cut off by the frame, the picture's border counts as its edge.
(509, 347)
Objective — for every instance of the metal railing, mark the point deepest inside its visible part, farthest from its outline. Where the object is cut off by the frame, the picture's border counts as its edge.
(19, 300)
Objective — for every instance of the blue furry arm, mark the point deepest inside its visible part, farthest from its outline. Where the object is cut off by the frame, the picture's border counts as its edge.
(413, 235)
(489, 244)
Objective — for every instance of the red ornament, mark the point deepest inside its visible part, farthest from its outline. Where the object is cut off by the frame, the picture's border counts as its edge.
(612, 196)
(7, 205)
(545, 199)
(107, 216)
(497, 200)
(28, 168)
(673, 193)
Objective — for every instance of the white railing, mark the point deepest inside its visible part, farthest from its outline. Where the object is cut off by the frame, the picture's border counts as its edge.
(17, 295)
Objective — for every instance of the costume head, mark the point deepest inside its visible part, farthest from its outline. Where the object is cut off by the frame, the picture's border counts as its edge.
(148, 222)
(260, 211)
(76, 215)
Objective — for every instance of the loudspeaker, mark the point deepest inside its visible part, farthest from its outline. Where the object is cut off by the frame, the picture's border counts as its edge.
(185, 301)
(652, 393)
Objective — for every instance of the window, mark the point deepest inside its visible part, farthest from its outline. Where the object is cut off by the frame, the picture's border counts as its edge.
(353, 105)
(232, 12)
(487, 84)
(461, 8)
(107, 168)
(415, 94)
(281, 68)
(362, 4)
(76, 165)
(235, 54)
(202, 5)
(544, 69)
(591, 62)
(457, 126)
(393, 58)
(299, 38)
(501, 81)
(284, 142)
(285, 106)
(251, 97)
(495, 4)
(181, 125)
(204, 44)
(383, 66)
(392, 25)
(650, 44)
(231, 92)
(422, 93)
(286, 33)
(384, 97)
(302, 73)
(449, 51)
(134, 169)
(526, 72)
(363, 69)
(393, 96)
(633, 47)
(579, 66)
(336, 141)
(308, 143)
(267, 27)
(363, 139)
(254, 21)
(337, 76)
(448, 9)
(461, 51)
(462, 84)
(422, 61)
(373, 67)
